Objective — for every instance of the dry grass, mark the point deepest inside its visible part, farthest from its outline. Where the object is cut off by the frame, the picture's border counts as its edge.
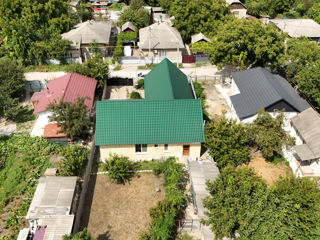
(268, 171)
(121, 212)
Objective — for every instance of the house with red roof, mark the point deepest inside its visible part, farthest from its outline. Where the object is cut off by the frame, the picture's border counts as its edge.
(68, 88)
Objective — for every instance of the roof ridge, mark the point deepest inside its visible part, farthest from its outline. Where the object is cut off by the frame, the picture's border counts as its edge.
(65, 90)
(265, 73)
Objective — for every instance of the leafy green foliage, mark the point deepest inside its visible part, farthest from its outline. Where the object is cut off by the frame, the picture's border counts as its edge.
(163, 216)
(268, 134)
(301, 52)
(240, 202)
(141, 83)
(242, 43)
(72, 117)
(135, 95)
(11, 85)
(309, 83)
(121, 38)
(228, 142)
(82, 235)
(31, 29)
(139, 17)
(136, 4)
(199, 91)
(314, 12)
(74, 160)
(120, 168)
(94, 67)
(191, 17)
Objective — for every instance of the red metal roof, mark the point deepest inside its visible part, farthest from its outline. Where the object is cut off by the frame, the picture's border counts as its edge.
(67, 87)
(52, 130)
(36, 96)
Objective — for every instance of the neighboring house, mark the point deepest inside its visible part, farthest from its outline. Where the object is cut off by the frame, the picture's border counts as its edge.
(199, 37)
(167, 123)
(67, 88)
(159, 41)
(50, 213)
(74, 5)
(237, 8)
(257, 88)
(304, 157)
(83, 34)
(128, 27)
(159, 15)
(296, 28)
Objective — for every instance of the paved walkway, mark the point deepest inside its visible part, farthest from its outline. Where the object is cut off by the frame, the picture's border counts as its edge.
(200, 172)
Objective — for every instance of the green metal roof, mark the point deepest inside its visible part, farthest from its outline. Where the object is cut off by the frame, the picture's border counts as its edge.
(166, 82)
(120, 122)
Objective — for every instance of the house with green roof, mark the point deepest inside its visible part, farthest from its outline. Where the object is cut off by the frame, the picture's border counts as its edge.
(168, 122)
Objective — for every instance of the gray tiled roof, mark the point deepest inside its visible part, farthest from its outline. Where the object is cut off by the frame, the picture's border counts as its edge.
(260, 89)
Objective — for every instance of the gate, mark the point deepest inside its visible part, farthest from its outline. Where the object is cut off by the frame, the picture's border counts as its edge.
(188, 59)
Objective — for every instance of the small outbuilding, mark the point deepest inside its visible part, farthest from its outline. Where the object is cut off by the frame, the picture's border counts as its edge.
(128, 27)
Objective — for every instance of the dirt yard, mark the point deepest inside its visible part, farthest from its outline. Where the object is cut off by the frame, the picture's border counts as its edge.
(268, 171)
(122, 92)
(122, 211)
(215, 101)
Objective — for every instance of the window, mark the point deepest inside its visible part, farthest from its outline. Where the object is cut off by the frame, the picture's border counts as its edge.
(156, 145)
(162, 53)
(141, 148)
(166, 148)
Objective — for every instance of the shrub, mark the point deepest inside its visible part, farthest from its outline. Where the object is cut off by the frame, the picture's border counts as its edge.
(83, 235)
(135, 95)
(120, 168)
(74, 159)
(141, 83)
(117, 68)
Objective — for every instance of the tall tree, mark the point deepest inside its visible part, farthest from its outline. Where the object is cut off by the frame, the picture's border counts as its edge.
(72, 117)
(191, 17)
(268, 134)
(227, 142)
(243, 44)
(139, 17)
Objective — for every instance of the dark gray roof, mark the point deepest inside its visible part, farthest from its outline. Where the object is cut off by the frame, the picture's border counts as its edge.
(260, 89)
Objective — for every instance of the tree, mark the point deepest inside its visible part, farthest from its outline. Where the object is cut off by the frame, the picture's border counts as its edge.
(243, 44)
(314, 12)
(241, 204)
(191, 17)
(74, 159)
(227, 142)
(231, 198)
(11, 86)
(136, 4)
(120, 168)
(268, 134)
(309, 83)
(82, 235)
(72, 117)
(140, 17)
(301, 53)
(94, 67)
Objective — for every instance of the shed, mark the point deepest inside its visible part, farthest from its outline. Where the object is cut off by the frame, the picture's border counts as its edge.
(128, 27)
(200, 37)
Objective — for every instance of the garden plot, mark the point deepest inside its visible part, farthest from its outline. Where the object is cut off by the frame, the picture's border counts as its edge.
(122, 211)
(270, 172)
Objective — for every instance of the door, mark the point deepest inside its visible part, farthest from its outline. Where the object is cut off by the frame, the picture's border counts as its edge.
(186, 150)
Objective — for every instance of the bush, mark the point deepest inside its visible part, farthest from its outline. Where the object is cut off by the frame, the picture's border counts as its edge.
(141, 83)
(117, 68)
(135, 95)
(120, 168)
(74, 159)
(83, 235)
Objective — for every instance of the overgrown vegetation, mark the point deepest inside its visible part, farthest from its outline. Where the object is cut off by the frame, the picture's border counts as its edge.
(72, 117)
(120, 168)
(199, 91)
(82, 235)
(240, 203)
(123, 37)
(165, 214)
(74, 160)
(136, 14)
(22, 160)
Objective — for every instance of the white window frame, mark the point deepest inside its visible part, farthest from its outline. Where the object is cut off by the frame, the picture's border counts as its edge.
(142, 148)
(166, 147)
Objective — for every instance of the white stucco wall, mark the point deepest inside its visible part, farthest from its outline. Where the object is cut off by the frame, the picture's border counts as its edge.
(41, 122)
(239, 13)
(153, 152)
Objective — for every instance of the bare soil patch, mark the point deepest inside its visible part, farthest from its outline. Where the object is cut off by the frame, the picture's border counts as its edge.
(122, 92)
(268, 171)
(214, 100)
(122, 211)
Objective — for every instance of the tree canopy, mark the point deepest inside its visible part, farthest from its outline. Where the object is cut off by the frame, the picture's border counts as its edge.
(11, 85)
(72, 117)
(242, 43)
(227, 142)
(31, 29)
(241, 203)
(191, 17)
(139, 17)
